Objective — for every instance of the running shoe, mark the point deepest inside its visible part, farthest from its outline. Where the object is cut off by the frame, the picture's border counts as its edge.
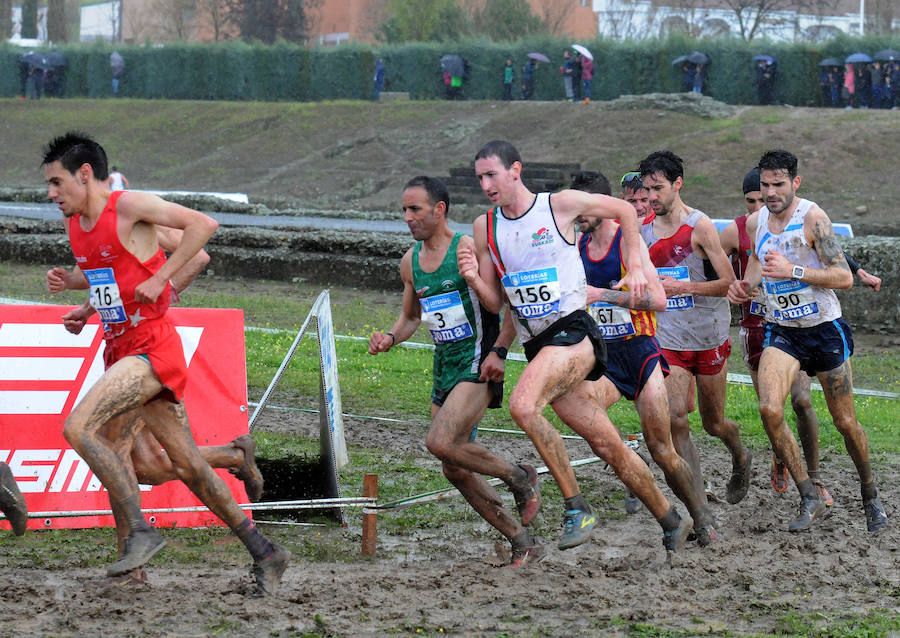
(249, 473)
(876, 519)
(779, 475)
(737, 487)
(528, 499)
(810, 509)
(527, 555)
(267, 573)
(823, 494)
(674, 539)
(136, 578)
(632, 502)
(12, 503)
(140, 546)
(706, 535)
(578, 525)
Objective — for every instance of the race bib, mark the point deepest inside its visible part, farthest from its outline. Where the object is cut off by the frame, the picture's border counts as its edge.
(613, 321)
(533, 293)
(446, 317)
(678, 302)
(790, 299)
(758, 307)
(105, 297)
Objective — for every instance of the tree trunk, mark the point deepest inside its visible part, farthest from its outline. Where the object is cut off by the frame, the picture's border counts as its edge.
(29, 18)
(56, 21)
(5, 19)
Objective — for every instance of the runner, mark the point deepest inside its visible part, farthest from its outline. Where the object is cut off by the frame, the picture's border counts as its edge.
(468, 365)
(12, 503)
(797, 258)
(531, 240)
(114, 240)
(134, 443)
(634, 192)
(736, 244)
(635, 365)
(693, 332)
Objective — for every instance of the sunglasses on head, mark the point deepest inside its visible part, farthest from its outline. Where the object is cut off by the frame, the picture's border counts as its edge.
(632, 179)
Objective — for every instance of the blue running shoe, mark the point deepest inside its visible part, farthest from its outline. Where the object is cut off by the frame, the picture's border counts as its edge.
(578, 525)
(876, 519)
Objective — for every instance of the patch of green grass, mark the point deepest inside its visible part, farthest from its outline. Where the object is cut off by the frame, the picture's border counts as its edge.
(876, 623)
(732, 138)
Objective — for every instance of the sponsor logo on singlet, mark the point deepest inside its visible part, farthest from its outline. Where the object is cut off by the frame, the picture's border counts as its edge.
(541, 237)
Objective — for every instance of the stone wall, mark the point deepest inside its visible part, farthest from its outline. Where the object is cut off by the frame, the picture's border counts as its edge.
(372, 260)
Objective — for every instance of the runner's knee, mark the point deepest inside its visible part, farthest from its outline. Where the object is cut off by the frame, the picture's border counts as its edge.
(771, 412)
(522, 410)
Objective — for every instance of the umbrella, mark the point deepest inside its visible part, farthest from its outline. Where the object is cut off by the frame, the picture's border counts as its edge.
(116, 62)
(35, 59)
(583, 51)
(858, 58)
(831, 62)
(540, 57)
(768, 59)
(56, 59)
(681, 59)
(887, 54)
(698, 57)
(453, 65)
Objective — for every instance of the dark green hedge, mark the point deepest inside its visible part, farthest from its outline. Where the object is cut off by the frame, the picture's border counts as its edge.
(240, 71)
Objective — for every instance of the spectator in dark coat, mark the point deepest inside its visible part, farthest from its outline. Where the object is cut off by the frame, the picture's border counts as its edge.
(576, 77)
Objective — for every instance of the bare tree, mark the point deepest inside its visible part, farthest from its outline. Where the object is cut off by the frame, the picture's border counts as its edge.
(554, 13)
(5, 19)
(56, 21)
(755, 16)
(214, 14)
(174, 19)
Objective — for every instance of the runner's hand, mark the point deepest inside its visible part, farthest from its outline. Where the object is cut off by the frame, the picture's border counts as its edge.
(150, 290)
(636, 283)
(74, 320)
(56, 280)
(777, 266)
(493, 368)
(380, 342)
(739, 292)
(868, 279)
(670, 285)
(466, 261)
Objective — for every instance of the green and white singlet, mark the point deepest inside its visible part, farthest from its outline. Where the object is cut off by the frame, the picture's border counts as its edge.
(463, 331)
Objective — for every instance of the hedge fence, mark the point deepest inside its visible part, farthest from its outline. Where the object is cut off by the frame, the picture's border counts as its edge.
(286, 72)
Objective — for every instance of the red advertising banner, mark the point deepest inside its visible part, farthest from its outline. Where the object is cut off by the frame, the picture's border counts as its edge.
(44, 372)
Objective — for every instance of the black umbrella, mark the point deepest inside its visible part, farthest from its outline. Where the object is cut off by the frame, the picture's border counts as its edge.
(681, 59)
(768, 59)
(831, 62)
(887, 54)
(56, 59)
(35, 59)
(698, 57)
(453, 65)
(858, 58)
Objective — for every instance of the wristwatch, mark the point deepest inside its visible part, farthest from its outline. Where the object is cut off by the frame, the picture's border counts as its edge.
(501, 352)
(798, 272)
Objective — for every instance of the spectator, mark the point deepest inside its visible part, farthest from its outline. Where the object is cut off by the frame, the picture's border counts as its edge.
(893, 89)
(576, 77)
(587, 75)
(699, 78)
(117, 181)
(508, 80)
(765, 82)
(116, 68)
(863, 85)
(528, 70)
(566, 70)
(379, 78)
(448, 92)
(849, 86)
(35, 82)
(876, 80)
(687, 79)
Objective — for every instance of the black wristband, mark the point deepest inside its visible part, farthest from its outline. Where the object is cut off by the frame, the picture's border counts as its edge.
(501, 352)
(852, 263)
(393, 340)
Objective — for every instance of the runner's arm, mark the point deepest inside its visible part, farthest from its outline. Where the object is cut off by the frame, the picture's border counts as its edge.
(706, 238)
(59, 279)
(473, 258)
(169, 238)
(728, 239)
(866, 278)
(654, 298)
(410, 313)
(742, 290)
(493, 368)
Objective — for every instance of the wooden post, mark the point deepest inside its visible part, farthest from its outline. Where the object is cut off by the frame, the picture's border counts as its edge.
(369, 522)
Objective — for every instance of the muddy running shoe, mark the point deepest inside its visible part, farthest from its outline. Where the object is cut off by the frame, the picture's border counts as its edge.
(876, 519)
(706, 535)
(249, 473)
(737, 487)
(632, 502)
(779, 475)
(12, 503)
(267, 573)
(823, 494)
(528, 499)
(810, 509)
(578, 525)
(140, 546)
(136, 578)
(527, 556)
(674, 539)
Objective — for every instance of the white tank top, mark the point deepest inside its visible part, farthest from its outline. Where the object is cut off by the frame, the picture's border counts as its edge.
(117, 183)
(540, 271)
(790, 302)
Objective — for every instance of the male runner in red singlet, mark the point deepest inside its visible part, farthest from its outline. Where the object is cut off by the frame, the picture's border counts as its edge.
(694, 329)
(114, 241)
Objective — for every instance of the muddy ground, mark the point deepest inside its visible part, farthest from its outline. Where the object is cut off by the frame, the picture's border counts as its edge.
(451, 581)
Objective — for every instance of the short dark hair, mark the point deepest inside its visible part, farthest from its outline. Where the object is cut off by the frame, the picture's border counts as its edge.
(751, 181)
(591, 182)
(778, 159)
(502, 150)
(665, 162)
(74, 149)
(436, 189)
